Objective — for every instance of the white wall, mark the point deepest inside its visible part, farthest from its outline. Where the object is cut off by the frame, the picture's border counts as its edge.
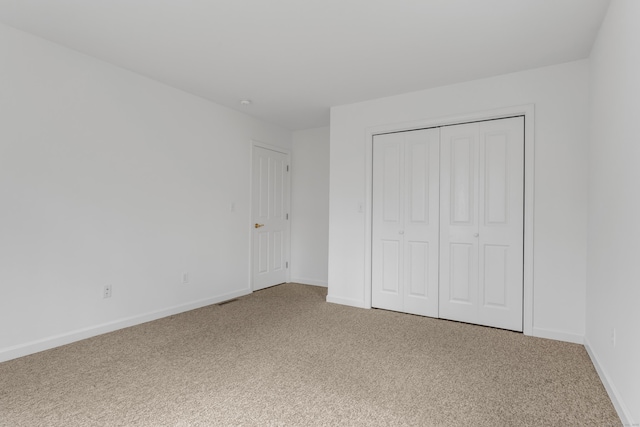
(310, 207)
(560, 94)
(107, 177)
(613, 285)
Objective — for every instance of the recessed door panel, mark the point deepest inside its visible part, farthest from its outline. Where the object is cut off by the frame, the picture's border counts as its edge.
(496, 178)
(495, 262)
(418, 182)
(462, 180)
(391, 182)
(263, 253)
(391, 267)
(278, 251)
(263, 170)
(418, 269)
(461, 273)
(277, 171)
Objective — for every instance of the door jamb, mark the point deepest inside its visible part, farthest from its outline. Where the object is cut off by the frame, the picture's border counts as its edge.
(528, 111)
(286, 152)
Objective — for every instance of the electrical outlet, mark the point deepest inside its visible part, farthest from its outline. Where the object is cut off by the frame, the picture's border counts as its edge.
(185, 278)
(106, 291)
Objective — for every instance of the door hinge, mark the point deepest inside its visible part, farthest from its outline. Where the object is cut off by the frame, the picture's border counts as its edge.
(286, 216)
(287, 168)
(286, 264)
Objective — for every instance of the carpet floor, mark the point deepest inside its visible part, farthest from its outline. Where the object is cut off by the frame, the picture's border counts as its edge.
(284, 357)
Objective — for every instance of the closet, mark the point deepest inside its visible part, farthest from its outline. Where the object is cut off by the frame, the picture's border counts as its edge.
(447, 219)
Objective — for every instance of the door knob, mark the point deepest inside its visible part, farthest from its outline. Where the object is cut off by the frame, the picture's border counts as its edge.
(259, 225)
(401, 232)
(476, 234)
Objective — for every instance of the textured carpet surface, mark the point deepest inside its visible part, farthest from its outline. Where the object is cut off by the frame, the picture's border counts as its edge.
(284, 357)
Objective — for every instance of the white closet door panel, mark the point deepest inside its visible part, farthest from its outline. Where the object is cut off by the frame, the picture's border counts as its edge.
(501, 224)
(421, 226)
(405, 222)
(388, 222)
(459, 223)
(481, 234)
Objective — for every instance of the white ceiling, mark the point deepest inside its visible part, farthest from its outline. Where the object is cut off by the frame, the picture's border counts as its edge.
(297, 58)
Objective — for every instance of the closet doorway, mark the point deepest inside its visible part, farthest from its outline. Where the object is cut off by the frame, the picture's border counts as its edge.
(448, 222)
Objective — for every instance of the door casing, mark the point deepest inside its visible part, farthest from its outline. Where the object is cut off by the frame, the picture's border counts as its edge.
(528, 111)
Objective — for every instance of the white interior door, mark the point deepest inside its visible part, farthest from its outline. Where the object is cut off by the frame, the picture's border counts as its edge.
(481, 214)
(270, 217)
(405, 222)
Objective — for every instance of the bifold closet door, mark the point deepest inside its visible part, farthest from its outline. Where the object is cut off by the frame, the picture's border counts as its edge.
(405, 222)
(481, 223)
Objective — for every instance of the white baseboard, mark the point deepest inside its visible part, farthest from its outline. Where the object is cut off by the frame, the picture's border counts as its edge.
(557, 335)
(312, 282)
(346, 301)
(618, 403)
(80, 334)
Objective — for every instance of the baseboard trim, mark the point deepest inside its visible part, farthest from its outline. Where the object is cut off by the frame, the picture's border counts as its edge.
(553, 334)
(346, 301)
(92, 331)
(312, 282)
(614, 395)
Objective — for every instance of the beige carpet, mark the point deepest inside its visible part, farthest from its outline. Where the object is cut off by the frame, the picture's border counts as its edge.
(285, 357)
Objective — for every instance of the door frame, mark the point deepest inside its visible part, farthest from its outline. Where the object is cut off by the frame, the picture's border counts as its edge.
(528, 111)
(286, 152)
